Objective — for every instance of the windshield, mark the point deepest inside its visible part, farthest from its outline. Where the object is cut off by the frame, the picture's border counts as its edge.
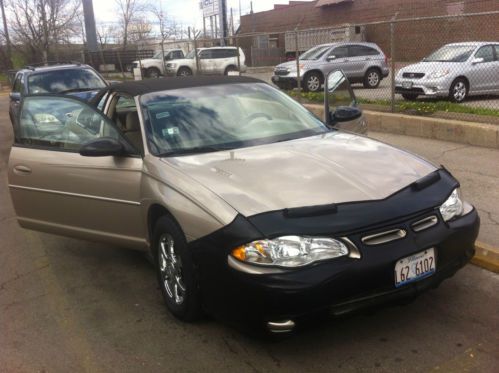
(191, 55)
(451, 53)
(64, 81)
(315, 53)
(158, 55)
(222, 117)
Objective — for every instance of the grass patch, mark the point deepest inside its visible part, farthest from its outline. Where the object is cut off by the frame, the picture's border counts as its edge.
(412, 107)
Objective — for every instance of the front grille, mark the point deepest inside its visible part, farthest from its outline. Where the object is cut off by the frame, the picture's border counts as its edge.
(384, 237)
(425, 223)
(418, 91)
(413, 75)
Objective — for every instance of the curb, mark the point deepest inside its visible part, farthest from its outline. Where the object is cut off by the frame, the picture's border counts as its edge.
(470, 133)
(486, 257)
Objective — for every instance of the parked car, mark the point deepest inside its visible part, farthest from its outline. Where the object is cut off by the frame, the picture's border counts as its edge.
(252, 208)
(212, 61)
(155, 67)
(75, 79)
(361, 62)
(455, 71)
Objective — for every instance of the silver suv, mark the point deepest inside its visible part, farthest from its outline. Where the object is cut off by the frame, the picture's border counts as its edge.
(455, 71)
(361, 62)
(212, 61)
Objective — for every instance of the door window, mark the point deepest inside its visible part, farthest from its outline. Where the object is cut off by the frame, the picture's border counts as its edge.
(361, 50)
(206, 54)
(18, 84)
(59, 123)
(340, 52)
(487, 53)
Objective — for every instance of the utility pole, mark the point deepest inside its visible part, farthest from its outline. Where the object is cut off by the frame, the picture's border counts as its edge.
(88, 13)
(7, 39)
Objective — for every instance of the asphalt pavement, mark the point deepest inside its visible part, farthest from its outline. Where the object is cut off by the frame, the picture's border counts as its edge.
(70, 305)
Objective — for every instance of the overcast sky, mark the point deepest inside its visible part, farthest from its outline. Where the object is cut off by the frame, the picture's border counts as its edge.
(185, 12)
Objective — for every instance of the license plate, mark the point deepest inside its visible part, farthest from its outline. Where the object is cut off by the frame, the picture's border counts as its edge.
(415, 267)
(407, 85)
(275, 78)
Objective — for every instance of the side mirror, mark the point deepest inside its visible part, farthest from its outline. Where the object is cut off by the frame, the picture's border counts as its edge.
(345, 114)
(339, 94)
(102, 147)
(477, 60)
(15, 96)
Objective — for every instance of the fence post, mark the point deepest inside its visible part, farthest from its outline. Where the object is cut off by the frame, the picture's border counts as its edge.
(121, 66)
(196, 54)
(238, 56)
(298, 77)
(392, 72)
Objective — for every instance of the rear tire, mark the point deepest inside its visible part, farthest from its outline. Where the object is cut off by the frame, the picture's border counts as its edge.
(459, 90)
(184, 71)
(409, 96)
(176, 271)
(230, 69)
(372, 79)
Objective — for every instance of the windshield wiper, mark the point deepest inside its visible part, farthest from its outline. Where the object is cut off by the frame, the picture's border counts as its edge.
(80, 90)
(197, 150)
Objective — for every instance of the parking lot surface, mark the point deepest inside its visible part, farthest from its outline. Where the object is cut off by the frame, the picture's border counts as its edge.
(69, 305)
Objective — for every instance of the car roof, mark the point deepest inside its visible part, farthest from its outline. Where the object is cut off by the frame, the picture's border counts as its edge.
(474, 43)
(54, 67)
(141, 87)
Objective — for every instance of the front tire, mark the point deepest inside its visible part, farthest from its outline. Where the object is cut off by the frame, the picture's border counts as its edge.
(184, 71)
(409, 96)
(459, 90)
(175, 270)
(372, 79)
(153, 72)
(230, 69)
(313, 82)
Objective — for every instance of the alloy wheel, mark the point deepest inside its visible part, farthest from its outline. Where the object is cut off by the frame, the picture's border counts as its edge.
(459, 91)
(373, 79)
(170, 267)
(313, 83)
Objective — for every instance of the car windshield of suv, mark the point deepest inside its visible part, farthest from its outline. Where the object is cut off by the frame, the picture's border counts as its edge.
(451, 53)
(315, 53)
(223, 117)
(64, 81)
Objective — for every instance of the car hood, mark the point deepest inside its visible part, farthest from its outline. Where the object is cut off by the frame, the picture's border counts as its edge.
(426, 67)
(147, 60)
(292, 64)
(320, 170)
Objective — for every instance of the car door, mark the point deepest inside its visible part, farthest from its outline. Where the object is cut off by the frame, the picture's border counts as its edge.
(55, 189)
(495, 71)
(206, 61)
(483, 75)
(337, 59)
(358, 60)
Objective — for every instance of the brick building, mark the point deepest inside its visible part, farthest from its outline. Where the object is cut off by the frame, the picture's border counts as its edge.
(413, 39)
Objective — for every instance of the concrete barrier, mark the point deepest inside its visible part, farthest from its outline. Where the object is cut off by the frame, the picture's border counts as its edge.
(477, 134)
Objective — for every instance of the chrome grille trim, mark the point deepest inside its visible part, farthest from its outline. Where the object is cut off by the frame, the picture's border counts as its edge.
(425, 223)
(384, 237)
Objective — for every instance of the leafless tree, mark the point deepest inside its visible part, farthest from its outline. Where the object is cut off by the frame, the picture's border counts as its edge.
(140, 29)
(130, 11)
(41, 24)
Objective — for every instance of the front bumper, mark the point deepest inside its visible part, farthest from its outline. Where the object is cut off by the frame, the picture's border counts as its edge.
(285, 81)
(423, 87)
(340, 286)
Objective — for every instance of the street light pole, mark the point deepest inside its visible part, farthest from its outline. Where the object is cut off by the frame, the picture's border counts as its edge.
(7, 38)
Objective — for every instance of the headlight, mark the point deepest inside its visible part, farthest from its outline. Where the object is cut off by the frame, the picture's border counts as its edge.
(438, 74)
(290, 251)
(453, 207)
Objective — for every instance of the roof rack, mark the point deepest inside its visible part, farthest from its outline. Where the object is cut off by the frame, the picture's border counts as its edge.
(33, 66)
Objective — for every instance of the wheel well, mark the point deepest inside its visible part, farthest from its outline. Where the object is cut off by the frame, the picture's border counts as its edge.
(374, 68)
(231, 67)
(184, 68)
(321, 75)
(465, 80)
(155, 212)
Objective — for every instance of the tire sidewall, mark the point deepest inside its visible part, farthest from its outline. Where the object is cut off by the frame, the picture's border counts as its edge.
(189, 73)
(189, 310)
(366, 79)
(152, 70)
(451, 91)
(307, 77)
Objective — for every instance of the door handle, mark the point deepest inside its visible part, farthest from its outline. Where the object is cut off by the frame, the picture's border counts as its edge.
(22, 170)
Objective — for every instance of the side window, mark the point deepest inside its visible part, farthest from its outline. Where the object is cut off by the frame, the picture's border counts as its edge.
(102, 102)
(340, 52)
(361, 50)
(219, 53)
(60, 123)
(497, 52)
(178, 55)
(206, 54)
(487, 53)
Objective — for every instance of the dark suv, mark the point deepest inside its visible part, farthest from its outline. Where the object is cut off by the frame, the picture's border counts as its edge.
(73, 78)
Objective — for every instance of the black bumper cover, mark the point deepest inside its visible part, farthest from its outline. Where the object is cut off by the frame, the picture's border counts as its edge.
(339, 286)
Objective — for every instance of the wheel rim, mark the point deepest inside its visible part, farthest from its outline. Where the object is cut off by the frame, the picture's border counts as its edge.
(459, 91)
(184, 73)
(154, 74)
(373, 79)
(313, 83)
(170, 267)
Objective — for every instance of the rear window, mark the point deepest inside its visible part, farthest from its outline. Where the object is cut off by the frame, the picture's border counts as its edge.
(361, 50)
(63, 81)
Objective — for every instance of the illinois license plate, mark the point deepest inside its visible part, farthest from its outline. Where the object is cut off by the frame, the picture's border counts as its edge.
(415, 267)
(407, 85)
